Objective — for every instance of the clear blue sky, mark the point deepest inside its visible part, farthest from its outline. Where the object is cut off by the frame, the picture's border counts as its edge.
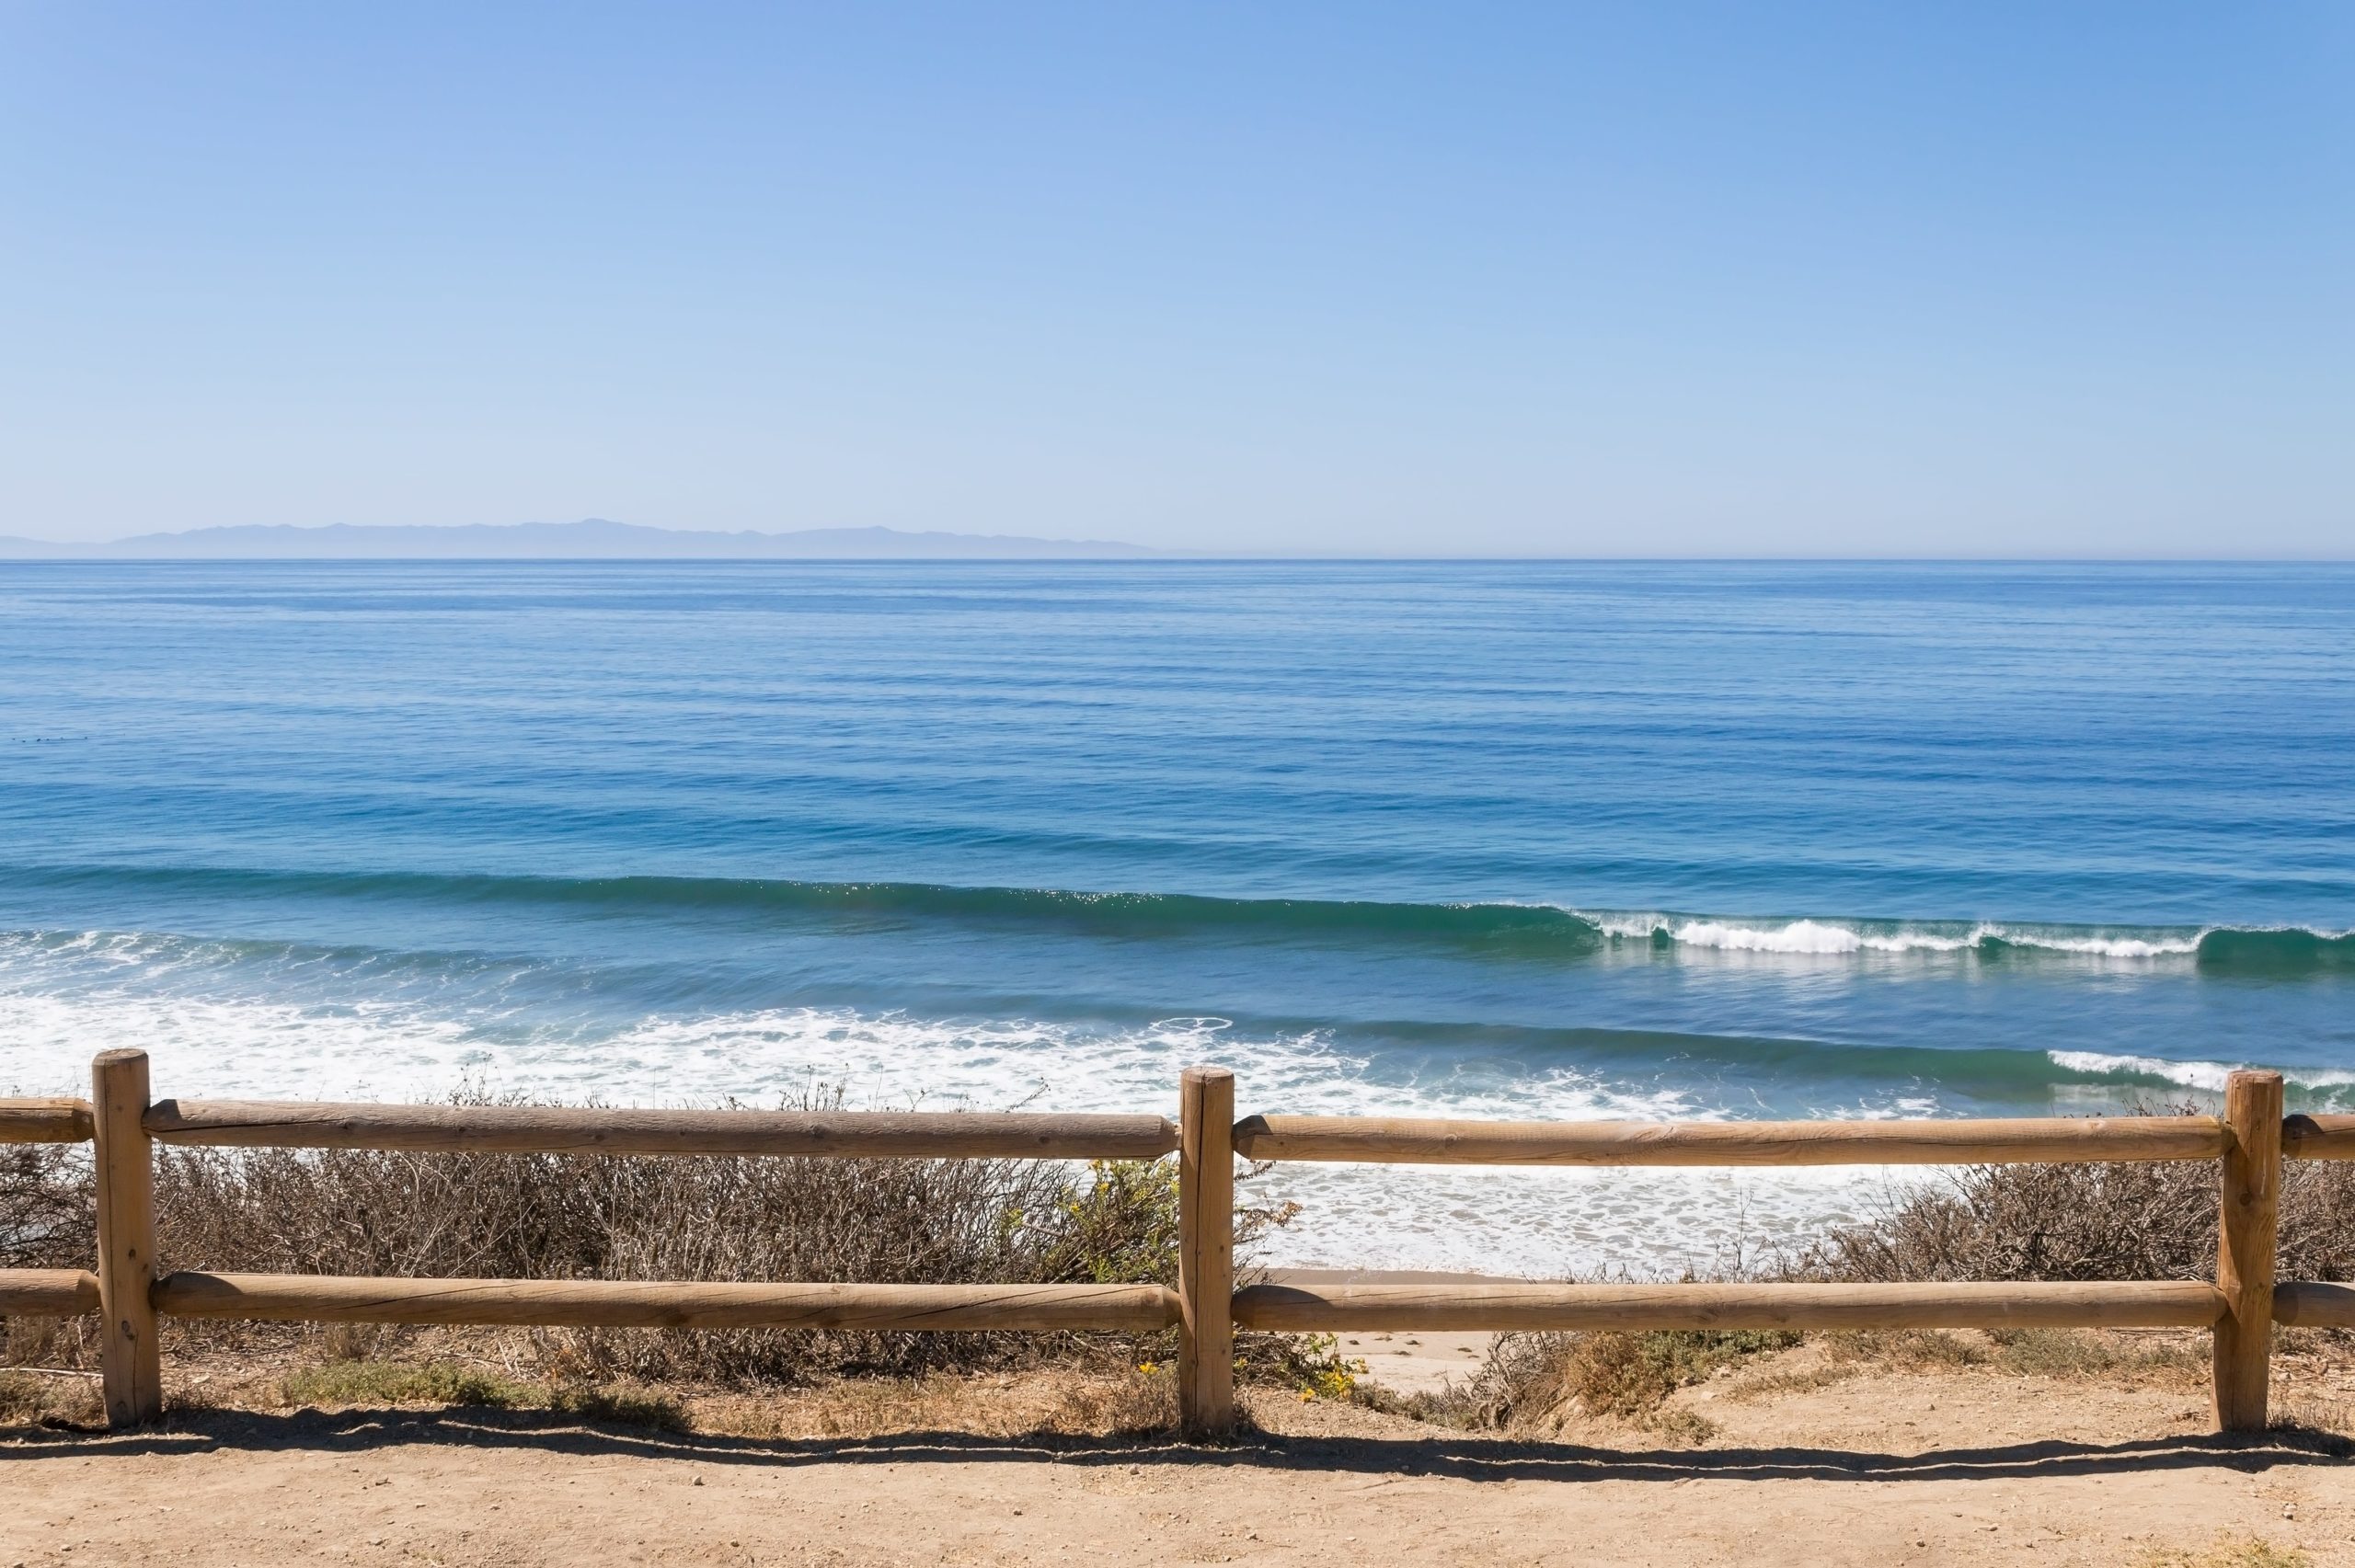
(1970, 279)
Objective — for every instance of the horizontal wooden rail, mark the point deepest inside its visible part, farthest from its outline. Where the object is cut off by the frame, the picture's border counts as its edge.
(2048, 1140)
(911, 1135)
(595, 1303)
(1468, 1306)
(2319, 1138)
(2308, 1304)
(48, 1292)
(46, 1121)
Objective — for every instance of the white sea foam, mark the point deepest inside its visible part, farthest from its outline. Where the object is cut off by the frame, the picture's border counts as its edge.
(2206, 1077)
(1831, 938)
(2099, 947)
(1806, 936)
(1537, 1222)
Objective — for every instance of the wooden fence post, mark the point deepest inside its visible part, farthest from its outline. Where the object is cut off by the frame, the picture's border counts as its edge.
(1206, 1251)
(2245, 1248)
(129, 1360)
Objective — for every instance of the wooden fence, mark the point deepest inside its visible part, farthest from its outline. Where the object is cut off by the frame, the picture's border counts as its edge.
(2250, 1142)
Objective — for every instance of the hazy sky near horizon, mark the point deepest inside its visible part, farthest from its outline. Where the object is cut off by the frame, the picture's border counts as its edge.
(1999, 278)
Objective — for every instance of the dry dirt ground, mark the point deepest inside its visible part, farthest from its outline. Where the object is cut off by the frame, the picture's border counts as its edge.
(1876, 1467)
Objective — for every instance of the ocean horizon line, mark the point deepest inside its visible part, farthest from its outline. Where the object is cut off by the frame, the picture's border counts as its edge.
(70, 553)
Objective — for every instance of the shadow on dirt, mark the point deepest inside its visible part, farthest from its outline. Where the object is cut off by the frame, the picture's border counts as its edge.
(1440, 1455)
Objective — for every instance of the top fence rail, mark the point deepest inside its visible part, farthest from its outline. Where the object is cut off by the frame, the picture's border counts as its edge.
(2049, 1141)
(919, 1135)
(925, 1135)
(46, 1121)
(2319, 1138)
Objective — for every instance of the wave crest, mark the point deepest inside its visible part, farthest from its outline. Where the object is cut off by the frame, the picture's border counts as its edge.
(1536, 930)
(2204, 1077)
(2272, 949)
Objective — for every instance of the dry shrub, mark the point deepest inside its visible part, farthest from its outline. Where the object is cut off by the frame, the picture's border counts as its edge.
(603, 1217)
(568, 1217)
(47, 1206)
(2168, 1360)
(1114, 1406)
(1044, 1403)
(48, 1220)
(622, 1405)
(393, 1383)
(1519, 1380)
(375, 1383)
(1780, 1382)
(2227, 1552)
(1910, 1350)
(2113, 1358)
(2328, 1422)
(2062, 1222)
(26, 1398)
(1628, 1376)
(574, 1217)
(22, 1398)
(1532, 1380)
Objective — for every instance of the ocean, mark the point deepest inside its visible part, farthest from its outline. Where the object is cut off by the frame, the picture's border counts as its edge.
(1513, 838)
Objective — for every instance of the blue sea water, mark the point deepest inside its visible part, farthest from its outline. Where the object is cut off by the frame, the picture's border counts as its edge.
(1510, 839)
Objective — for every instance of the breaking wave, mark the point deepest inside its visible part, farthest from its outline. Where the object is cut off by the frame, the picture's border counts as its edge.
(1508, 929)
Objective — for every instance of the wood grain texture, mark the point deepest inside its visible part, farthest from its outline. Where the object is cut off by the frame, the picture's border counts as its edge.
(2244, 1249)
(2319, 1138)
(46, 1121)
(1502, 1306)
(48, 1292)
(1206, 1251)
(2048, 1139)
(888, 1135)
(129, 1356)
(2307, 1303)
(586, 1303)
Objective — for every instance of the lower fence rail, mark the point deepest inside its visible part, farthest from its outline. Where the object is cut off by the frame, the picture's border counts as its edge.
(2305, 1303)
(48, 1292)
(597, 1303)
(1508, 1307)
(1503, 1306)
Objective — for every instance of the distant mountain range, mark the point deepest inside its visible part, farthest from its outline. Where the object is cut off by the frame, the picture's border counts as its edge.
(591, 539)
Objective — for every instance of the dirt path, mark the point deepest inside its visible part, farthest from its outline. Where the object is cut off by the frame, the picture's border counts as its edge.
(1876, 1470)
